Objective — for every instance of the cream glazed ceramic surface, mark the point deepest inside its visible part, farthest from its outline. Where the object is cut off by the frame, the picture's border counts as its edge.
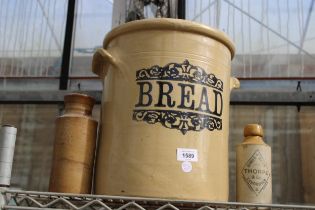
(165, 110)
(253, 167)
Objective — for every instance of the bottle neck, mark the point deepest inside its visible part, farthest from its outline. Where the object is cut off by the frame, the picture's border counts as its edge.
(253, 140)
(76, 108)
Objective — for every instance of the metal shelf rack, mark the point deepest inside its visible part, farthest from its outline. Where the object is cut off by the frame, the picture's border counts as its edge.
(31, 200)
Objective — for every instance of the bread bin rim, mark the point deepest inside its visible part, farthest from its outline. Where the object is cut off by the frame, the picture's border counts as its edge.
(170, 24)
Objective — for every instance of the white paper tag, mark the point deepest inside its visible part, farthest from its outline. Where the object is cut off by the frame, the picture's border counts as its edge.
(185, 154)
(187, 167)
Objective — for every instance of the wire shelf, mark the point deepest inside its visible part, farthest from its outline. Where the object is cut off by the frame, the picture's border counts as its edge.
(16, 199)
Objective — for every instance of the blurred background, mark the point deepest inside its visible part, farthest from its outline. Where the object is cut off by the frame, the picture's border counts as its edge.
(46, 48)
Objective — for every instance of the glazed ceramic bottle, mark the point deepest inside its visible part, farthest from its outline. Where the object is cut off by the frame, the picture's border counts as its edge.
(74, 147)
(253, 167)
(7, 145)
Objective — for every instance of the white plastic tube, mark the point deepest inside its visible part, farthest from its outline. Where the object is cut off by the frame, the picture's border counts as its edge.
(7, 144)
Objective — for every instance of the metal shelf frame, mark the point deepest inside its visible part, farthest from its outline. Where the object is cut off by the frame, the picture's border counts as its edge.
(31, 200)
(238, 97)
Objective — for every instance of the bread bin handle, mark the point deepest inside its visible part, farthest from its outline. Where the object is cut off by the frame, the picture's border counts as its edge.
(101, 60)
(234, 83)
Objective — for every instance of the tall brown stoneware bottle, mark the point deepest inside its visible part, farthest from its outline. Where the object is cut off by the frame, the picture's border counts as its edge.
(74, 147)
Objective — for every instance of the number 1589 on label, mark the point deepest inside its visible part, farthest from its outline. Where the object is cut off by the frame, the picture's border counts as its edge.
(185, 154)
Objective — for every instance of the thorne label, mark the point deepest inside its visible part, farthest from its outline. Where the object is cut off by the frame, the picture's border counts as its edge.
(256, 173)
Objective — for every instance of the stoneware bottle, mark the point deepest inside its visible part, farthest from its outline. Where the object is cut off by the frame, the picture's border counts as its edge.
(74, 147)
(7, 144)
(253, 167)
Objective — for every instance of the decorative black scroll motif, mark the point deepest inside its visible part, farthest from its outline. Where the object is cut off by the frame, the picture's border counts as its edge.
(183, 121)
(180, 72)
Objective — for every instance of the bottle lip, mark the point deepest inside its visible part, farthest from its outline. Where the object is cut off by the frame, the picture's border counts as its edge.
(253, 130)
(9, 128)
(79, 98)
